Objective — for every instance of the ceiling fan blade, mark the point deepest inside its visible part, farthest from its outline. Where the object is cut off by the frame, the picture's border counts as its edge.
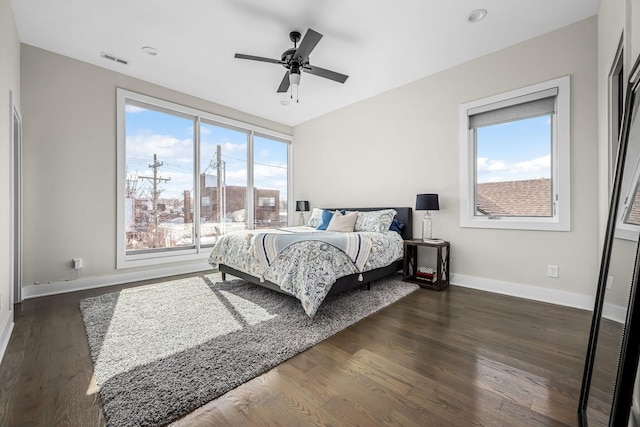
(257, 58)
(308, 43)
(327, 74)
(284, 84)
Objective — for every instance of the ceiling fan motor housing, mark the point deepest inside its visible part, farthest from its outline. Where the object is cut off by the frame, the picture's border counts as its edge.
(287, 56)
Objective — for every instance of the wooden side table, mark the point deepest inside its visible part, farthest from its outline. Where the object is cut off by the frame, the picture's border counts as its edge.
(410, 263)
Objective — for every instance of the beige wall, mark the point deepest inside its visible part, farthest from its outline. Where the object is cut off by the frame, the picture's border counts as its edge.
(69, 121)
(9, 81)
(387, 149)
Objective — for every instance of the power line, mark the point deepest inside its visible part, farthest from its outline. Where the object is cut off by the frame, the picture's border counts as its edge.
(255, 163)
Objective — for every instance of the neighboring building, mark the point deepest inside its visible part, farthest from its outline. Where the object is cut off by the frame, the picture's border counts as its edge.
(266, 202)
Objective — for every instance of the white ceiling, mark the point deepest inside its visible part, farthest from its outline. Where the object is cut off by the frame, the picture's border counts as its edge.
(379, 44)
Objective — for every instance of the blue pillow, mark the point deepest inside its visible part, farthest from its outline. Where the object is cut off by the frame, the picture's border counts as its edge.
(325, 220)
(397, 226)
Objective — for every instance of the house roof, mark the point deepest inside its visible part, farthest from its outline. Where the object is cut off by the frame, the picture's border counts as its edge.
(515, 198)
(634, 215)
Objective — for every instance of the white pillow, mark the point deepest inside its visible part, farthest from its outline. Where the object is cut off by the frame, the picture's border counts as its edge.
(314, 219)
(343, 223)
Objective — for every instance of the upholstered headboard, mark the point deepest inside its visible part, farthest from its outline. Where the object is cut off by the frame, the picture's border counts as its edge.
(403, 214)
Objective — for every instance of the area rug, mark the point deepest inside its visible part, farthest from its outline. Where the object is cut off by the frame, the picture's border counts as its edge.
(161, 351)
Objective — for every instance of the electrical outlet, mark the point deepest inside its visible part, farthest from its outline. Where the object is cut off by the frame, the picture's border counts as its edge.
(553, 271)
(77, 263)
(609, 282)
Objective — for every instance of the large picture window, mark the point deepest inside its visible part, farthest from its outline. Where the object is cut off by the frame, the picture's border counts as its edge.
(515, 159)
(186, 177)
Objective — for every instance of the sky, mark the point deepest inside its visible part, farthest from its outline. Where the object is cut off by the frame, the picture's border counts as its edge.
(500, 157)
(171, 138)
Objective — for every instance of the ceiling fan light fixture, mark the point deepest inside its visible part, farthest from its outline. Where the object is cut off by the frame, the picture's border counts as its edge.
(294, 78)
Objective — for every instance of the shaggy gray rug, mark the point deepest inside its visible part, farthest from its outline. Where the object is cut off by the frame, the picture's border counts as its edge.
(161, 351)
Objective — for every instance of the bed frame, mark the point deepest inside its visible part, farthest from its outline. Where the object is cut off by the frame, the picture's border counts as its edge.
(404, 214)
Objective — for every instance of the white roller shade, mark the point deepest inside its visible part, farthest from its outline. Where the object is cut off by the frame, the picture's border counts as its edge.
(523, 107)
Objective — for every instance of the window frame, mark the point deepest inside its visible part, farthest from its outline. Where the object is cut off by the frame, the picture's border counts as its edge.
(615, 91)
(560, 162)
(196, 252)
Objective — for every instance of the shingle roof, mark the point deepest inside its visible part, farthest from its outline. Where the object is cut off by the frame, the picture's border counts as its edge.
(515, 198)
(634, 215)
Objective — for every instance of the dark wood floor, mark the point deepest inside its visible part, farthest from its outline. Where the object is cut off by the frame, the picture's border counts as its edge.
(460, 357)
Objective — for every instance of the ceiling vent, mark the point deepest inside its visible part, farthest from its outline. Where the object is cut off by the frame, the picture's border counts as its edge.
(114, 58)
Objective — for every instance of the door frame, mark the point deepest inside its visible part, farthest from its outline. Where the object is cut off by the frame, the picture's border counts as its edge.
(15, 179)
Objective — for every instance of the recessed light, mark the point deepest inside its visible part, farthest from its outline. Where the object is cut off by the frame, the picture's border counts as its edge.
(150, 51)
(477, 15)
(284, 103)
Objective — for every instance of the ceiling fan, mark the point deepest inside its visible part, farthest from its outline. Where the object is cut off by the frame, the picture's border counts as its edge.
(297, 59)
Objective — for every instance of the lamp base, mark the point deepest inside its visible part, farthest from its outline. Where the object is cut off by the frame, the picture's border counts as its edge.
(426, 227)
(301, 221)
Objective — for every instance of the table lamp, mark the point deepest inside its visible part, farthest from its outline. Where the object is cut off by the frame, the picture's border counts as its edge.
(302, 206)
(427, 202)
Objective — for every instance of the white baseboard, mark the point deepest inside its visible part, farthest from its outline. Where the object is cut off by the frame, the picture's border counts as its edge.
(45, 289)
(552, 296)
(6, 326)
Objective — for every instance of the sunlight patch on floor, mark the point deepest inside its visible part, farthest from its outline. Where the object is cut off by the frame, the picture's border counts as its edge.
(152, 323)
(93, 387)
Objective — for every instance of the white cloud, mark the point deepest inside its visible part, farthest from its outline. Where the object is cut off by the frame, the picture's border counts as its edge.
(536, 165)
(488, 169)
(237, 177)
(133, 109)
(485, 164)
(166, 147)
(264, 154)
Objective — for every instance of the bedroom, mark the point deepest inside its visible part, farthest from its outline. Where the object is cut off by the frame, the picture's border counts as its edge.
(396, 133)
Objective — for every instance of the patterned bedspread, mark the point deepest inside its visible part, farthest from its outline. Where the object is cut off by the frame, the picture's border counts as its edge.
(304, 269)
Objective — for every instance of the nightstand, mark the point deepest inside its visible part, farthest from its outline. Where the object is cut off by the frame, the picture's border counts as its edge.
(410, 264)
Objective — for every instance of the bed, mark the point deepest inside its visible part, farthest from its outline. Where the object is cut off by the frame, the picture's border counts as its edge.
(311, 269)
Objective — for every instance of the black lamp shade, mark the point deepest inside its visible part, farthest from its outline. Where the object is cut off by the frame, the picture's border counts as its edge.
(302, 206)
(427, 202)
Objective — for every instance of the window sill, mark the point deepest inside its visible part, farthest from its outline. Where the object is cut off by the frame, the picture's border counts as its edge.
(550, 224)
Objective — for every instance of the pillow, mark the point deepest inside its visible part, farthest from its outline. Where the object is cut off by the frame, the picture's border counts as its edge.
(375, 221)
(397, 226)
(343, 223)
(314, 219)
(324, 220)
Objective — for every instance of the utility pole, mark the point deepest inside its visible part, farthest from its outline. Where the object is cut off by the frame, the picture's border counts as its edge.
(155, 179)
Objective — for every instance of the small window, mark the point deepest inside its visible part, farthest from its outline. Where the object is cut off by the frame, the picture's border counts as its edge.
(266, 202)
(515, 159)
